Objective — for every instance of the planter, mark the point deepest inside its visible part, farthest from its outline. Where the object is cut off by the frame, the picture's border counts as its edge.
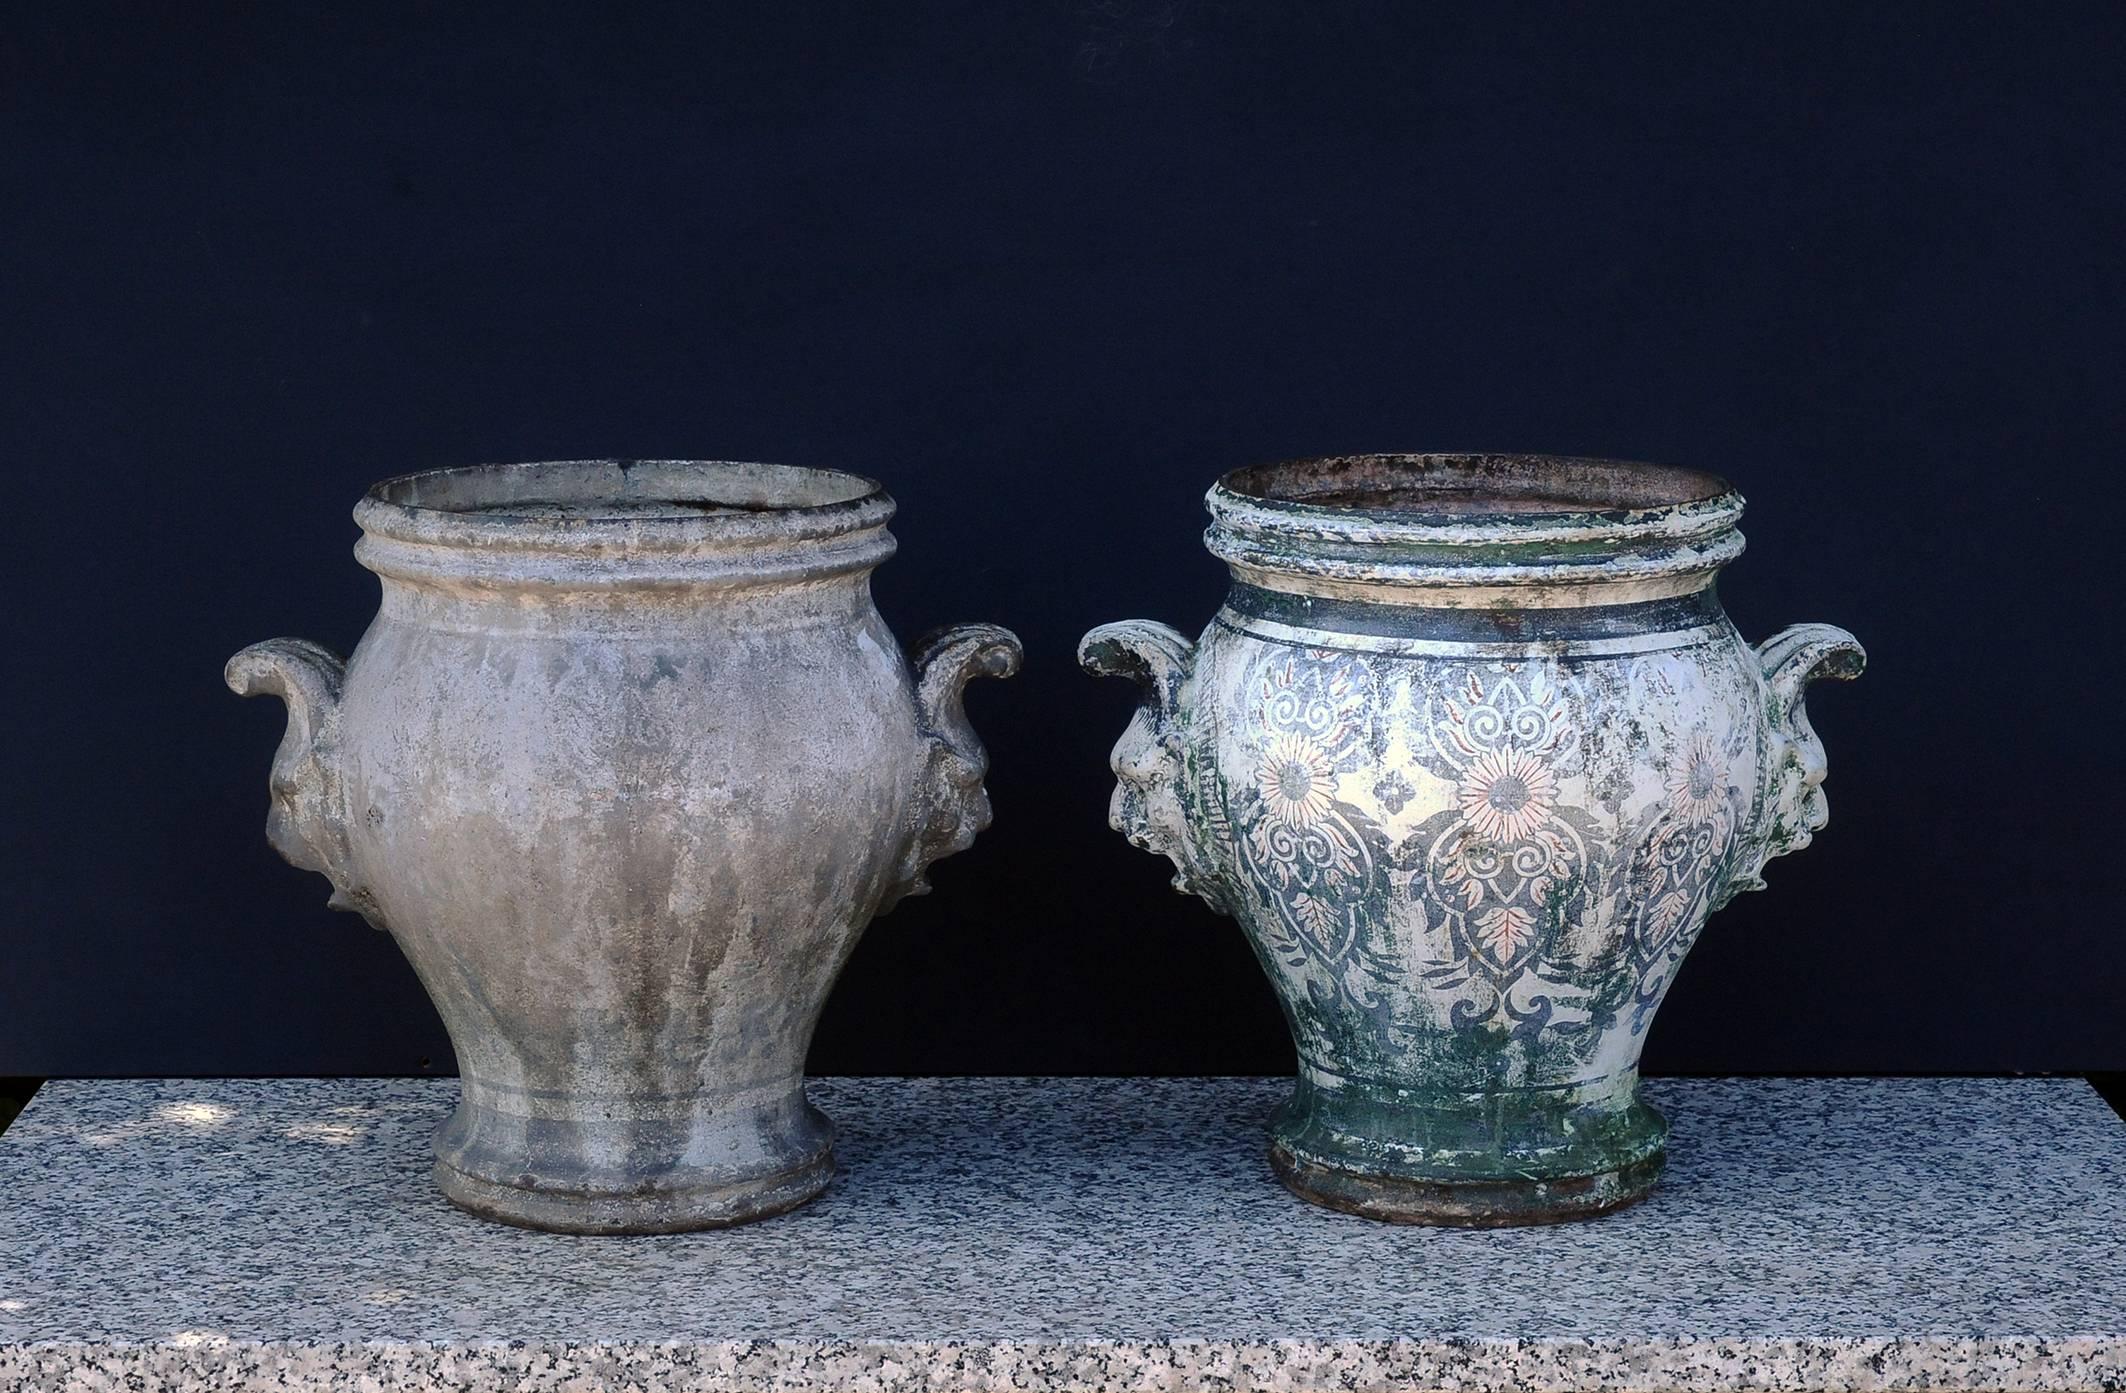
(1470, 752)
(625, 763)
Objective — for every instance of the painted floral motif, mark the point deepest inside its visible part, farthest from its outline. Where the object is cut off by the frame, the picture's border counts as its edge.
(1471, 785)
(1393, 791)
(1500, 874)
(1697, 782)
(1677, 869)
(1507, 794)
(1452, 843)
(1296, 781)
(1311, 855)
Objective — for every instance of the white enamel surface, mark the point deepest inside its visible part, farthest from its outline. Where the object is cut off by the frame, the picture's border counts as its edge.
(1459, 794)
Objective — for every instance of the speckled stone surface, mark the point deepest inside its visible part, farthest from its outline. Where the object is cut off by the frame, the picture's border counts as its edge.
(1069, 1234)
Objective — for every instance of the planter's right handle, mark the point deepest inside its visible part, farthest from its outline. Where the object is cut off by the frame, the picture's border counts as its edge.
(951, 805)
(1150, 806)
(307, 823)
(1793, 808)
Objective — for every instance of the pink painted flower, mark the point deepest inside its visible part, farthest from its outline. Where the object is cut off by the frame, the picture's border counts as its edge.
(1507, 794)
(1697, 783)
(1296, 781)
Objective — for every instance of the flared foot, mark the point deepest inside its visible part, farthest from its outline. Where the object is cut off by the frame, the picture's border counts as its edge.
(1469, 1159)
(1467, 1203)
(672, 1209)
(621, 1163)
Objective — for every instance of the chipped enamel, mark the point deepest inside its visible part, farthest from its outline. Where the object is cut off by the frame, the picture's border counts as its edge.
(1471, 842)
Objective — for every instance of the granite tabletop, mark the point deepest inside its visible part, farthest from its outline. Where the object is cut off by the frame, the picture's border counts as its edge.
(1069, 1234)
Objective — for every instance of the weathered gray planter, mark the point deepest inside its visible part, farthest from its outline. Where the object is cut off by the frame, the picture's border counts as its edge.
(1471, 752)
(626, 763)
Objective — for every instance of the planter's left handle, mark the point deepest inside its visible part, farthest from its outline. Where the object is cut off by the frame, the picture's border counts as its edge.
(951, 806)
(307, 823)
(1150, 805)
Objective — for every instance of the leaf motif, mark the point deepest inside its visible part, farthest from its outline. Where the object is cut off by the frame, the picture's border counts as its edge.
(1506, 930)
(1473, 894)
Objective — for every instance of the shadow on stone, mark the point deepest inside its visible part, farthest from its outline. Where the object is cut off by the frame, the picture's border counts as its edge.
(14, 1096)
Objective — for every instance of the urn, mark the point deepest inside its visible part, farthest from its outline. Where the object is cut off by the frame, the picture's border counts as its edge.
(1471, 751)
(625, 764)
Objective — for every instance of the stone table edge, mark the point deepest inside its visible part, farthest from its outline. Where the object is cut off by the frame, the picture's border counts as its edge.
(1636, 1365)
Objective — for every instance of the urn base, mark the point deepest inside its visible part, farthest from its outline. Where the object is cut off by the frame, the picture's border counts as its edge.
(677, 1209)
(1476, 1204)
(595, 1173)
(1469, 1160)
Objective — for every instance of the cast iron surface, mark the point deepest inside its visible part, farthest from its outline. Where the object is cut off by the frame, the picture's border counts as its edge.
(1475, 1204)
(1470, 754)
(625, 764)
(1091, 1234)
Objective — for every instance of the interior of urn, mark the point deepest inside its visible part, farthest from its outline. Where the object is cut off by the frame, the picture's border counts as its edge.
(1468, 485)
(616, 490)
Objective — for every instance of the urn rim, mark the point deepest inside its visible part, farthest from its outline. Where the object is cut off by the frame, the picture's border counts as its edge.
(1470, 528)
(618, 522)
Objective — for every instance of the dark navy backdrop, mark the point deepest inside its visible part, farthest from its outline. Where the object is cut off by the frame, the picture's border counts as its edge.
(1048, 268)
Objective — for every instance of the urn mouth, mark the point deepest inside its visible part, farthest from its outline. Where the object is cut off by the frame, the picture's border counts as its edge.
(1454, 530)
(616, 523)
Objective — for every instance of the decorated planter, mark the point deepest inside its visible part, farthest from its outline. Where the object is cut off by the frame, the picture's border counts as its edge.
(625, 763)
(1471, 752)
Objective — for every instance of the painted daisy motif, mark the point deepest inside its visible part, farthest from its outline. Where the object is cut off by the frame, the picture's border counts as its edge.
(1697, 783)
(1296, 781)
(1507, 794)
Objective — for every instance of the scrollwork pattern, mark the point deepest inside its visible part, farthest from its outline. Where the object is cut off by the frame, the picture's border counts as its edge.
(1312, 857)
(1456, 816)
(1504, 870)
(1681, 862)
